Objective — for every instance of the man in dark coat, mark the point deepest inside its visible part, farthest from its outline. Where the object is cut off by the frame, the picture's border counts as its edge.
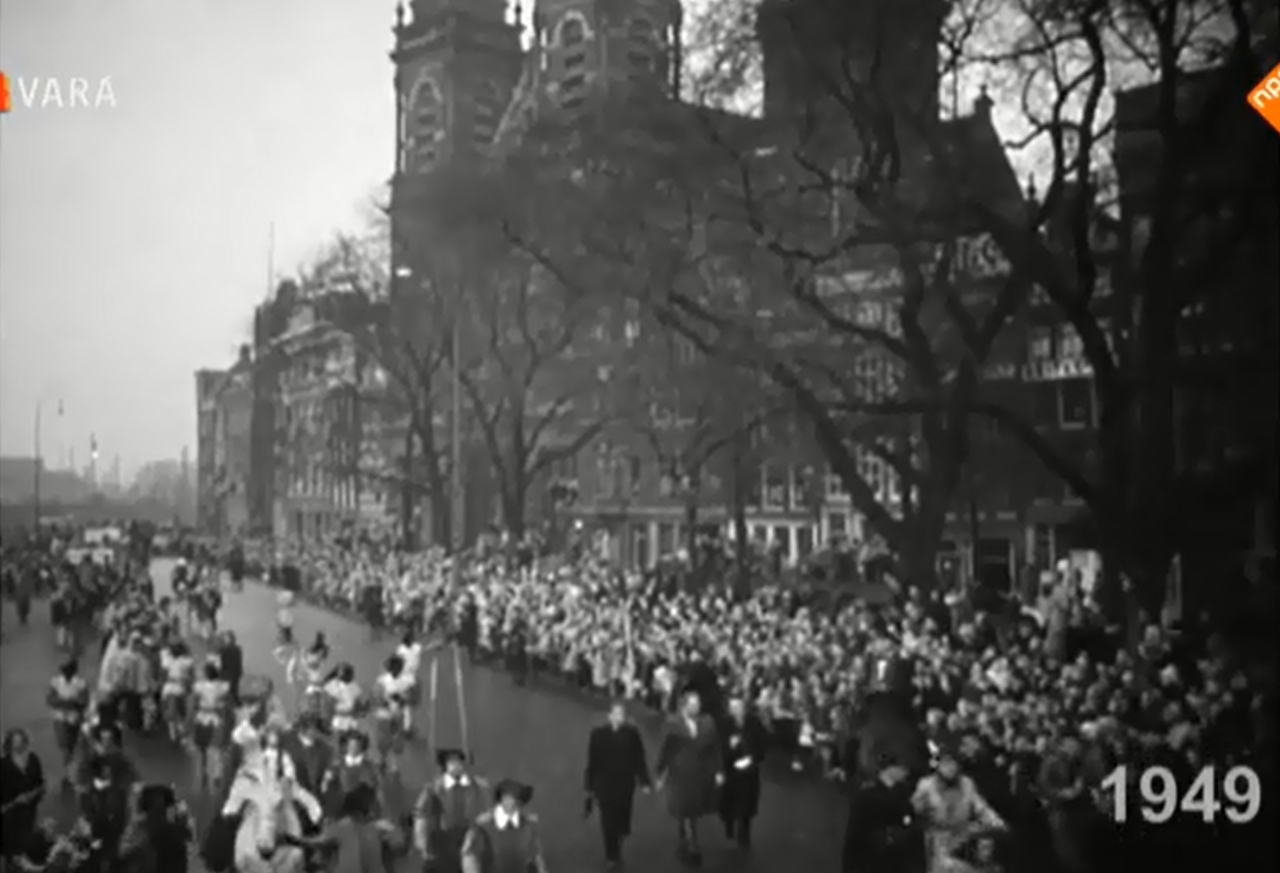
(881, 834)
(690, 761)
(312, 756)
(616, 766)
(104, 804)
(231, 664)
(744, 743)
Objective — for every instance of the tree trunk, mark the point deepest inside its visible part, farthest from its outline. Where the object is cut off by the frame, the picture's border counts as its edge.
(408, 499)
(742, 545)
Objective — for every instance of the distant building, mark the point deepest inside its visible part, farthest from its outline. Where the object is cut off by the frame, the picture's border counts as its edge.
(325, 400)
(18, 480)
(224, 422)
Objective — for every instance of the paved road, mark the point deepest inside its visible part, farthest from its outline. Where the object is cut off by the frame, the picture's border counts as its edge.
(532, 734)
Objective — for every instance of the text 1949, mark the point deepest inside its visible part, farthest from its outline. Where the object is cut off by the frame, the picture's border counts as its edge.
(1161, 797)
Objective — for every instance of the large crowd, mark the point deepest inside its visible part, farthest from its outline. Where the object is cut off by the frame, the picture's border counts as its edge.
(1037, 705)
(1041, 703)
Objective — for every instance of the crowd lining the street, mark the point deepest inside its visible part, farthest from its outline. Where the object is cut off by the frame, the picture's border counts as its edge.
(1041, 706)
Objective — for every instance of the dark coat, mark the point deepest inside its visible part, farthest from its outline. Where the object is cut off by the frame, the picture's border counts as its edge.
(344, 777)
(107, 811)
(616, 766)
(690, 762)
(19, 821)
(881, 834)
(311, 762)
(888, 730)
(231, 659)
(743, 746)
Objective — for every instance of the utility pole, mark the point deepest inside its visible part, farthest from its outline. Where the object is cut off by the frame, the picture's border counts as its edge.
(35, 484)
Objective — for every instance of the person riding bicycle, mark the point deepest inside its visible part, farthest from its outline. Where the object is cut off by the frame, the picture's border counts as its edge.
(952, 810)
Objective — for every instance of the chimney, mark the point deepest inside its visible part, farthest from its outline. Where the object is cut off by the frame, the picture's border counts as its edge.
(246, 355)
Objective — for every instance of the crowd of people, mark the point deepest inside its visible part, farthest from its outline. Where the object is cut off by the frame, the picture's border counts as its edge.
(1039, 706)
(1027, 715)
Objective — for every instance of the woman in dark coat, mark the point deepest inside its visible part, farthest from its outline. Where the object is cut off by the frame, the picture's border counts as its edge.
(21, 790)
(157, 838)
(744, 743)
(353, 769)
(690, 761)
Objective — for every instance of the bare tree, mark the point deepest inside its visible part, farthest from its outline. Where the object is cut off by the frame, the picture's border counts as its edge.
(1152, 243)
(528, 363)
(873, 309)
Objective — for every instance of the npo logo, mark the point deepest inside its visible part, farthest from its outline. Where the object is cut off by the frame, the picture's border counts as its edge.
(1265, 97)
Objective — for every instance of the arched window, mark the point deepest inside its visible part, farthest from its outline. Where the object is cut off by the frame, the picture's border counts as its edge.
(426, 122)
(573, 31)
(642, 44)
(488, 113)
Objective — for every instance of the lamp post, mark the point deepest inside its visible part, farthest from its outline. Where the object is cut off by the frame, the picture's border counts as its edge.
(39, 462)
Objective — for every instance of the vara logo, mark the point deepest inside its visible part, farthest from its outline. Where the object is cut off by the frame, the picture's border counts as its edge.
(38, 92)
(1265, 97)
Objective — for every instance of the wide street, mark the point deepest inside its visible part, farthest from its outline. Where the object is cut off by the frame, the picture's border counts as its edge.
(534, 734)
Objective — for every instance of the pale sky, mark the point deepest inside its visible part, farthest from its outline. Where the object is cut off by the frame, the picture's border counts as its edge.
(134, 240)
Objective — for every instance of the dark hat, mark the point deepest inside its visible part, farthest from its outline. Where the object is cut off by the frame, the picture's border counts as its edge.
(156, 798)
(444, 756)
(511, 788)
(309, 721)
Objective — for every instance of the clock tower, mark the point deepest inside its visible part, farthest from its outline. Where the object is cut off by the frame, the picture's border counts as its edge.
(456, 63)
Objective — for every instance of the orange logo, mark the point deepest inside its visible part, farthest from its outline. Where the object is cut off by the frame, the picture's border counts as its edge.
(4, 93)
(1265, 97)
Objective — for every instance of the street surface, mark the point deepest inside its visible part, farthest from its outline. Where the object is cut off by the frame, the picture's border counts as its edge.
(533, 734)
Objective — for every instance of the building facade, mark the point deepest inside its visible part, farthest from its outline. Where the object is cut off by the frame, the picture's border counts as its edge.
(329, 459)
(224, 423)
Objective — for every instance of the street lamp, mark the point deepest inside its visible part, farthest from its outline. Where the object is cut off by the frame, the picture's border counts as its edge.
(35, 484)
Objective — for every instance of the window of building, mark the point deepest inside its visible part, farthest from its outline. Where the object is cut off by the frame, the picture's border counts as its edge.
(835, 486)
(426, 121)
(1075, 405)
(666, 538)
(782, 539)
(635, 469)
(488, 113)
(642, 44)
(1039, 344)
(1070, 346)
(775, 480)
(837, 527)
(804, 542)
(573, 31)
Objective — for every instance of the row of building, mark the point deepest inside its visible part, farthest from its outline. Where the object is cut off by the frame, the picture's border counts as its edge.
(304, 435)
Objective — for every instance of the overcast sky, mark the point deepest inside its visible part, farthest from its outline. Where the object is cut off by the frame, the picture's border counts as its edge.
(134, 240)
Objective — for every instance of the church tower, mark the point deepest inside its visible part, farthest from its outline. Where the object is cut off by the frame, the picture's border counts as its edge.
(811, 45)
(593, 51)
(456, 62)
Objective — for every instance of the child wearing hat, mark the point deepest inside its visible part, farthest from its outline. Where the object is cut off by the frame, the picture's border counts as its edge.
(445, 810)
(505, 838)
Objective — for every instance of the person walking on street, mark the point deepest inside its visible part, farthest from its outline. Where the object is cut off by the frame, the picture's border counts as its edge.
(616, 767)
(22, 789)
(505, 838)
(690, 763)
(744, 743)
(231, 665)
(444, 810)
(881, 835)
(68, 700)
